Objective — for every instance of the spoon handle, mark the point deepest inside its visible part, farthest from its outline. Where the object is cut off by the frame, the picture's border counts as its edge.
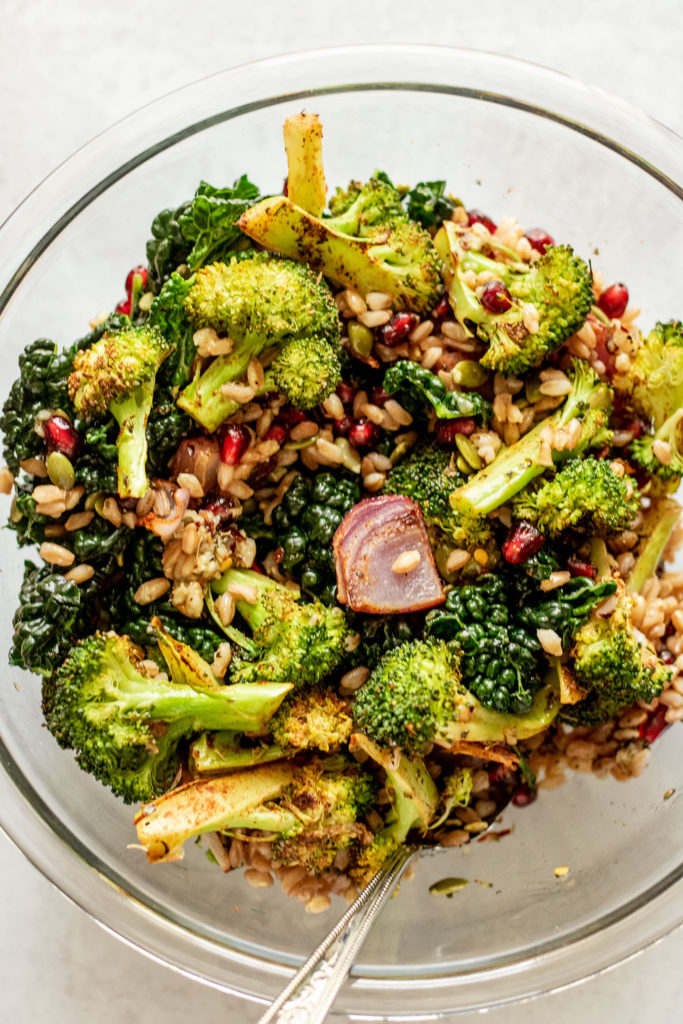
(311, 992)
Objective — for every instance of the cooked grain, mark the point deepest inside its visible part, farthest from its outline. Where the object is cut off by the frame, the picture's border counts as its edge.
(80, 573)
(407, 561)
(55, 554)
(151, 590)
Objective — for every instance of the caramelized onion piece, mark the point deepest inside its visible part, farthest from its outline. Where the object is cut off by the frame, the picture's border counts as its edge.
(199, 456)
(366, 545)
(165, 526)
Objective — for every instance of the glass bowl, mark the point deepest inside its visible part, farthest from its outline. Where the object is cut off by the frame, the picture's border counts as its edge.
(509, 138)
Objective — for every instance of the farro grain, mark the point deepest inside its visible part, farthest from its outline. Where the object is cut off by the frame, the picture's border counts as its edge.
(54, 529)
(6, 480)
(550, 641)
(431, 356)
(662, 452)
(80, 573)
(243, 592)
(151, 590)
(258, 879)
(225, 475)
(255, 374)
(373, 413)
(421, 332)
(190, 482)
(333, 406)
(53, 509)
(398, 413)
(241, 393)
(555, 580)
(241, 490)
(378, 300)
(304, 430)
(407, 561)
(354, 679)
(374, 481)
(457, 558)
(111, 511)
(374, 318)
(55, 554)
(354, 301)
(33, 466)
(225, 606)
(328, 453)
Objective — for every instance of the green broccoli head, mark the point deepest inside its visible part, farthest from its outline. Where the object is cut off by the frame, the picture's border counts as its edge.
(125, 727)
(307, 370)
(558, 286)
(260, 302)
(585, 495)
(300, 643)
(653, 385)
(661, 453)
(618, 666)
(370, 244)
(415, 696)
(116, 375)
(315, 718)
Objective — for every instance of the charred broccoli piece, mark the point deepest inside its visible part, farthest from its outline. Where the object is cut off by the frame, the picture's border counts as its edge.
(584, 495)
(307, 370)
(215, 752)
(116, 375)
(295, 642)
(661, 453)
(259, 302)
(589, 402)
(370, 244)
(312, 810)
(312, 719)
(558, 286)
(125, 727)
(416, 695)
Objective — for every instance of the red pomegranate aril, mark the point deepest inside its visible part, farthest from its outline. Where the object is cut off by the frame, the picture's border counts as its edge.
(447, 430)
(223, 508)
(378, 396)
(477, 217)
(614, 300)
(523, 541)
(540, 240)
(291, 416)
(580, 567)
(277, 432)
(363, 434)
(523, 797)
(399, 327)
(653, 726)
(234, 444)
(346, 392)
(123, 307)
(61, 436)
(140, 272)
(495, 298)
(441, 309)
(343, 426)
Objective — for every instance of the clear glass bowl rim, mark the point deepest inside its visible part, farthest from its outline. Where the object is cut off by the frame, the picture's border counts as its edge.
(24, 817)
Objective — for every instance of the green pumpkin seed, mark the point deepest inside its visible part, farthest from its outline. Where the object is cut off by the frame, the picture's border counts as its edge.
(352, 460)
(60, 471)
(360, 338)
(448, 886)
(468, 451)
(463, 466)
(469, 374)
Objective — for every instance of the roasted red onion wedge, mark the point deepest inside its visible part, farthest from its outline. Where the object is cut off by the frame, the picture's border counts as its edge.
(367, 544)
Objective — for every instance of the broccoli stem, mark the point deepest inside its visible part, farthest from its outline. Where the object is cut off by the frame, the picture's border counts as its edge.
(303, 136)
(518, 465)
(660, 521)
(221, 751)
(131, 414)
(203, 399)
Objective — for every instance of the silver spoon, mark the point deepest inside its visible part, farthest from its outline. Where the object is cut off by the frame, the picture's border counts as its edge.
(308, 996)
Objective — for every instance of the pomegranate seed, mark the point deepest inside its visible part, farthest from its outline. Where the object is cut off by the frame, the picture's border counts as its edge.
(346, 392)
(363, 434)
(441, 309)
(495, 297)
(234, 444)
(61, 436)
(123, 307)
(291, 416)
(580, 567)
(135, 272)
(378, 396)
(446, 430)
(477, 217)
(540, 240)
(497, 774)
(276, 433)
(523, 541)
(343, 426)
(654, 725)
(666, 655)
(223, 508)
(523, 797)
(398, 329)
(614, 300)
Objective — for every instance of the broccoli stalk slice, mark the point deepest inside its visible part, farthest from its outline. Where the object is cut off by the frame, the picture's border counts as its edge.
(131, 414)
(203, 398)
(660, 520)
(218, 804)
(214, 752)
(397, 258)
(589, 401)
(303, 136)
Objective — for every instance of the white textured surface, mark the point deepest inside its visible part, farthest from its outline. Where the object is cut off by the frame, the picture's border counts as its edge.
(67, 71)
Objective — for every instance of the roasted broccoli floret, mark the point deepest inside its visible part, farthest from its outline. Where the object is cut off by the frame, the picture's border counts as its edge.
(116, 375)
(661, 453)
(307, 370)
(589, 402)
(558, 286)
(429, 476)
(584, 495)
(260, 302)
(291, 641)
(125, 727)
(617, 666)
(414, 799)
(415, 696)
(455, 791)
(313, 810)
(315, 718)
(370, 244)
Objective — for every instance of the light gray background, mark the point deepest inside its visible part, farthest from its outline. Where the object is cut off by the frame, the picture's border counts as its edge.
(68, 70)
